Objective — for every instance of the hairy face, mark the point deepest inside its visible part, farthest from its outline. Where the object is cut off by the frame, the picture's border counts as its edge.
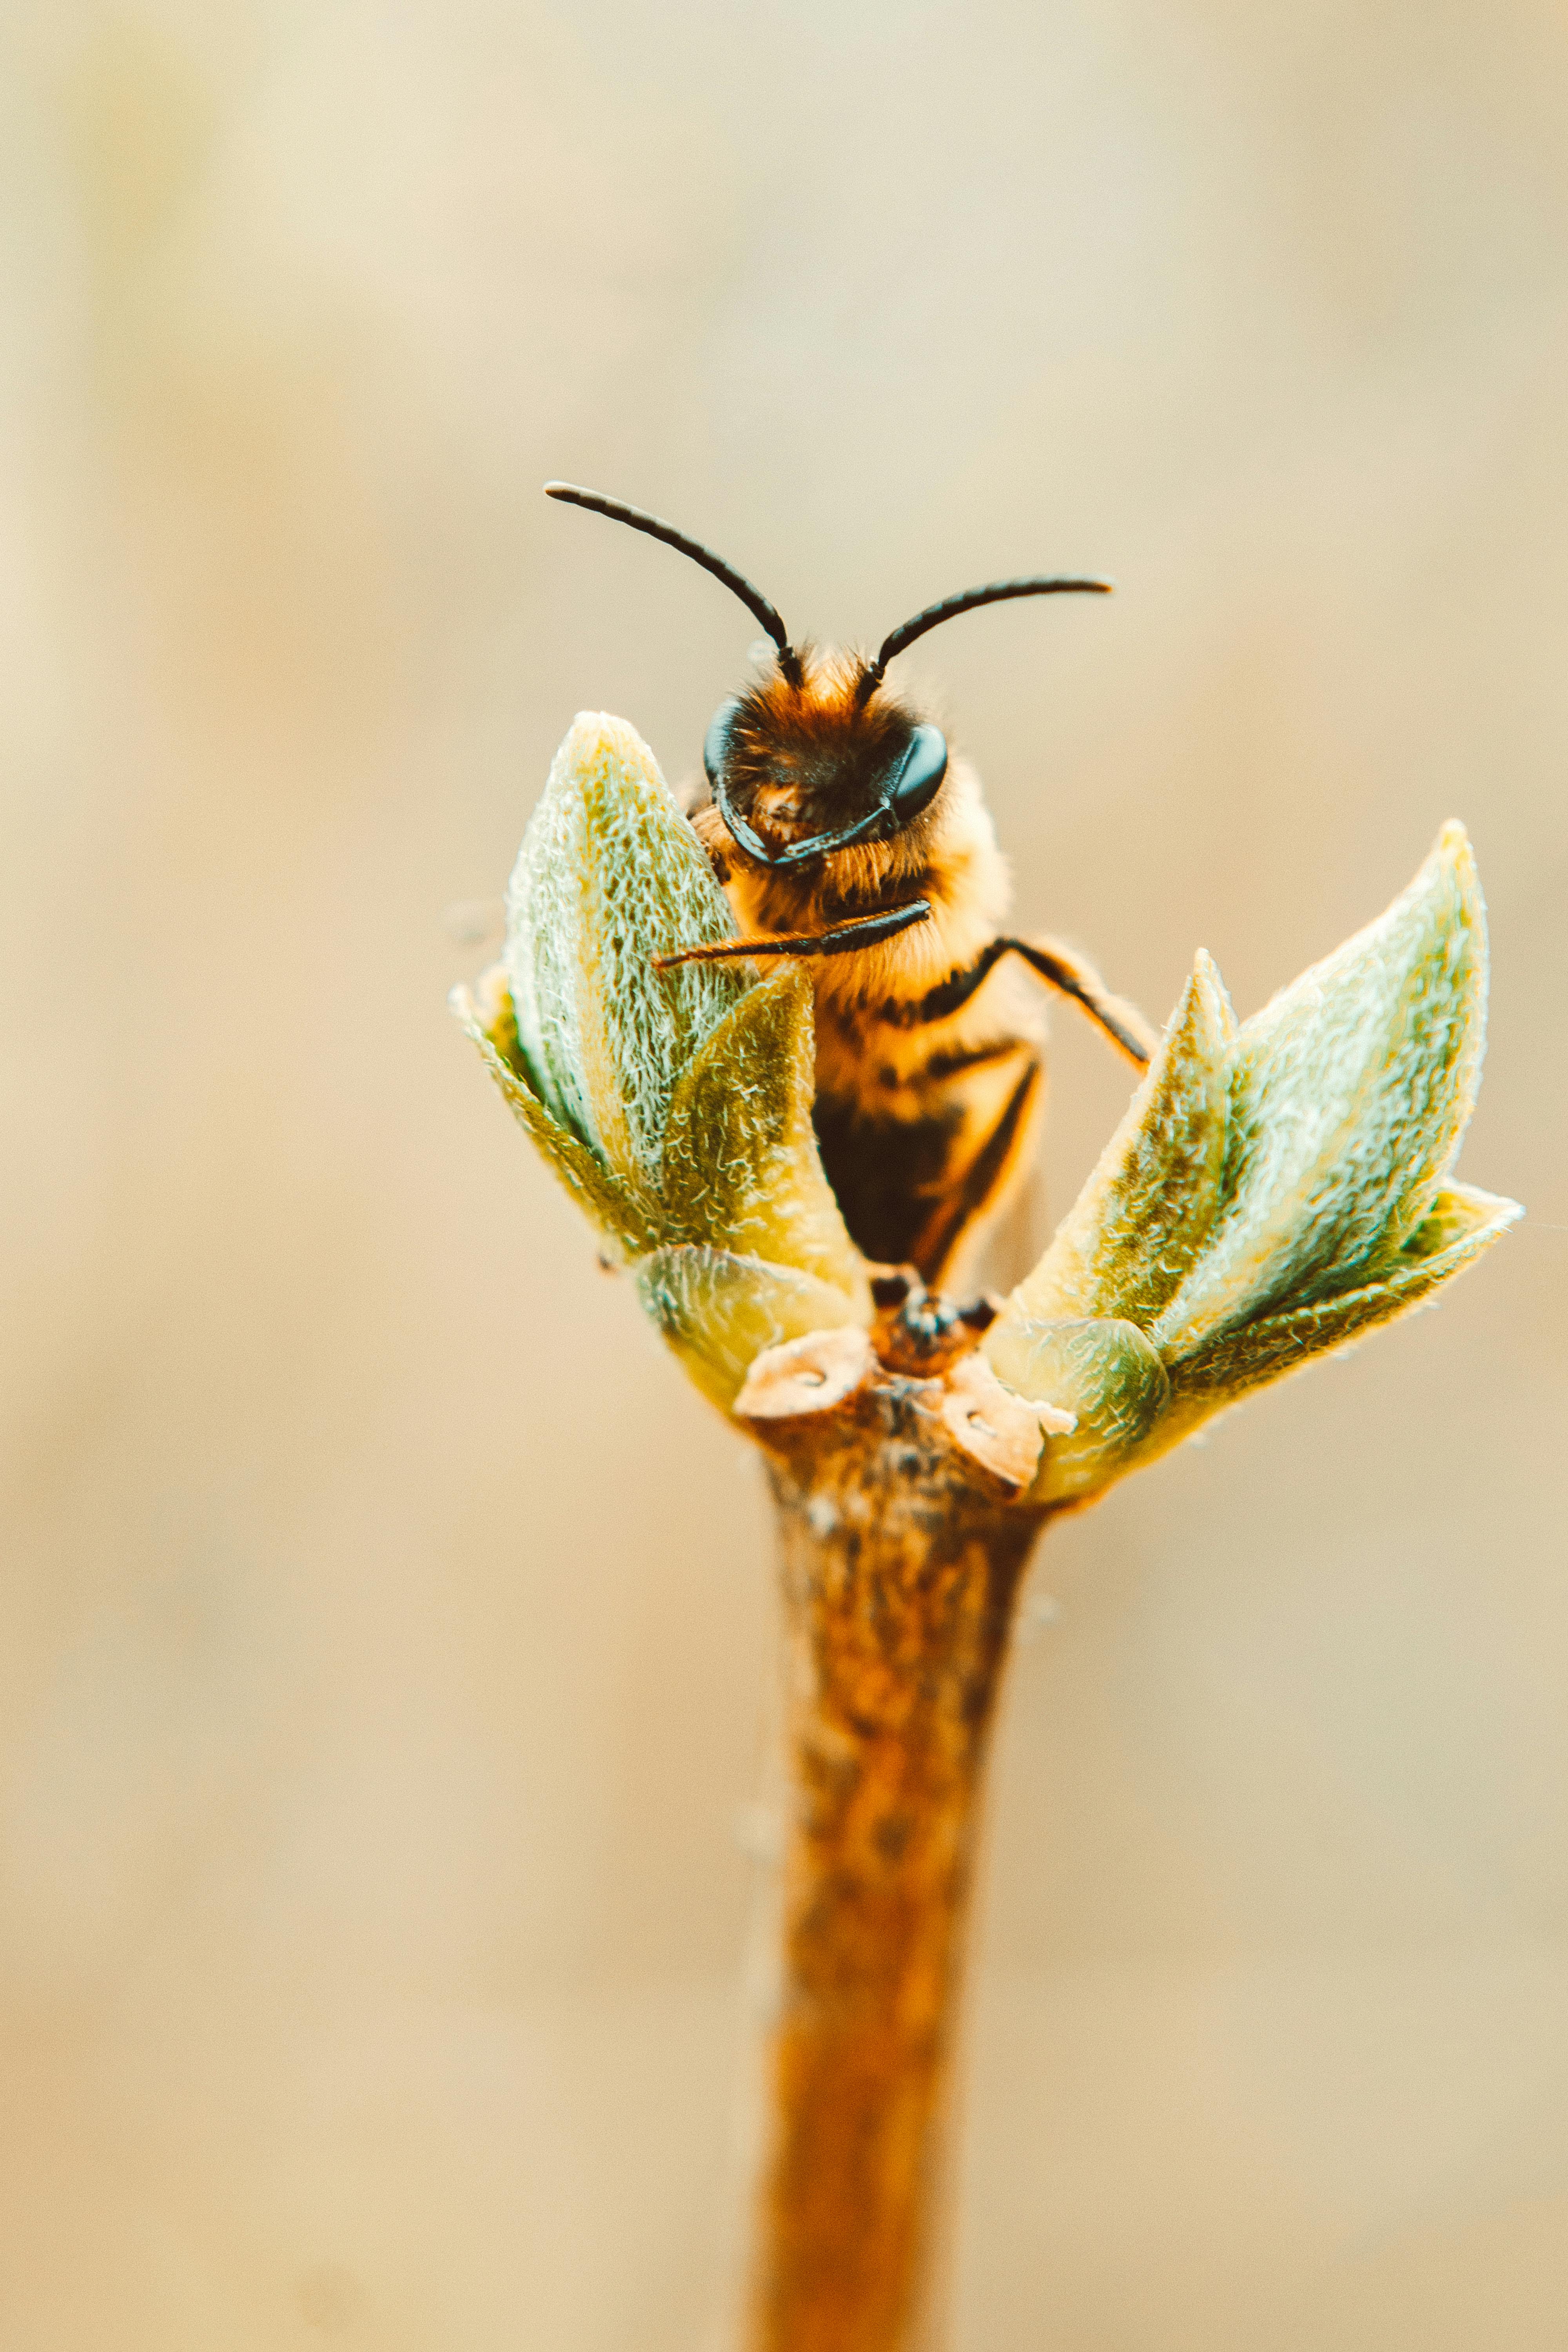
(794, 762)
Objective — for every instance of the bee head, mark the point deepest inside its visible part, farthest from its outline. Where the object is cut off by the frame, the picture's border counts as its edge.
(820, 756)
(813, 759)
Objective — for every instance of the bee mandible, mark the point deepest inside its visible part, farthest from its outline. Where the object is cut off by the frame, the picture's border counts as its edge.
(841, 830)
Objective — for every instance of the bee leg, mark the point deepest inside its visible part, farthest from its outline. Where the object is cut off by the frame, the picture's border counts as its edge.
(986, 1177)
(863, 931)
(1060, 968)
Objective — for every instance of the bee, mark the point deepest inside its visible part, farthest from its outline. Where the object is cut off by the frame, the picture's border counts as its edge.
(842, 831)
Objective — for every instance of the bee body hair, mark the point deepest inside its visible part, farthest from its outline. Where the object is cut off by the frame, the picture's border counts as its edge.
(925, 1119)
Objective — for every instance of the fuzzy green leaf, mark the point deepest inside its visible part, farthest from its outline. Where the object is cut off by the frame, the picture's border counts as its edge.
(718, 1311)
(611, 875)
(1138, 1225)
(1101, 1369)
(1349, 1094)
(1462, 1223)
(625, 1214)
(741, 1164)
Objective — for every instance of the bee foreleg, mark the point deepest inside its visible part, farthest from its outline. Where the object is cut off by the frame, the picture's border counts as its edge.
(1060, 968)
(864, 931)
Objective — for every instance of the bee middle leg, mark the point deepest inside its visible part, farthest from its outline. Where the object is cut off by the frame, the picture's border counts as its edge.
(1056, 965)
(1122, 1022)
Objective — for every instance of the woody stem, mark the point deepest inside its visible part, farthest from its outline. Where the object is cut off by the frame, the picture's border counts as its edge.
(899, 1579)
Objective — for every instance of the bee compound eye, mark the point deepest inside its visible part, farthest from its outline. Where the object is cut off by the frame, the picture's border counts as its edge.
(716, 742)
(924, 766)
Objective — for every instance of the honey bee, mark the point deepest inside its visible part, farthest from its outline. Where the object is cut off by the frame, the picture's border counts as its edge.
(841, 830)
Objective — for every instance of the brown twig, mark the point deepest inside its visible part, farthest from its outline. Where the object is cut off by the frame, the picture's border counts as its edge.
(901, 1557)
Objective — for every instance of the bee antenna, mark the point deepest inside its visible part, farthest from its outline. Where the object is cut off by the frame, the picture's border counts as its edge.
(998, 592)
(753, 598)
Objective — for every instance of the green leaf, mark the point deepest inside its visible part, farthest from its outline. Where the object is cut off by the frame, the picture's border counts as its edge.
(1138, 1225)
(1101, 1369)
(611, 875)
(625, 1214)
(718, 1310)
(1462, 1223)
(741, 1164)
(1349, 1096)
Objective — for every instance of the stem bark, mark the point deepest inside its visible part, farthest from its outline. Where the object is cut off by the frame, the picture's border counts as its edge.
(901, 1564)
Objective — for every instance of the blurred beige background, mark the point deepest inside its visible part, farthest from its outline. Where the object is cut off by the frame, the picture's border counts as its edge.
(387, 1627)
